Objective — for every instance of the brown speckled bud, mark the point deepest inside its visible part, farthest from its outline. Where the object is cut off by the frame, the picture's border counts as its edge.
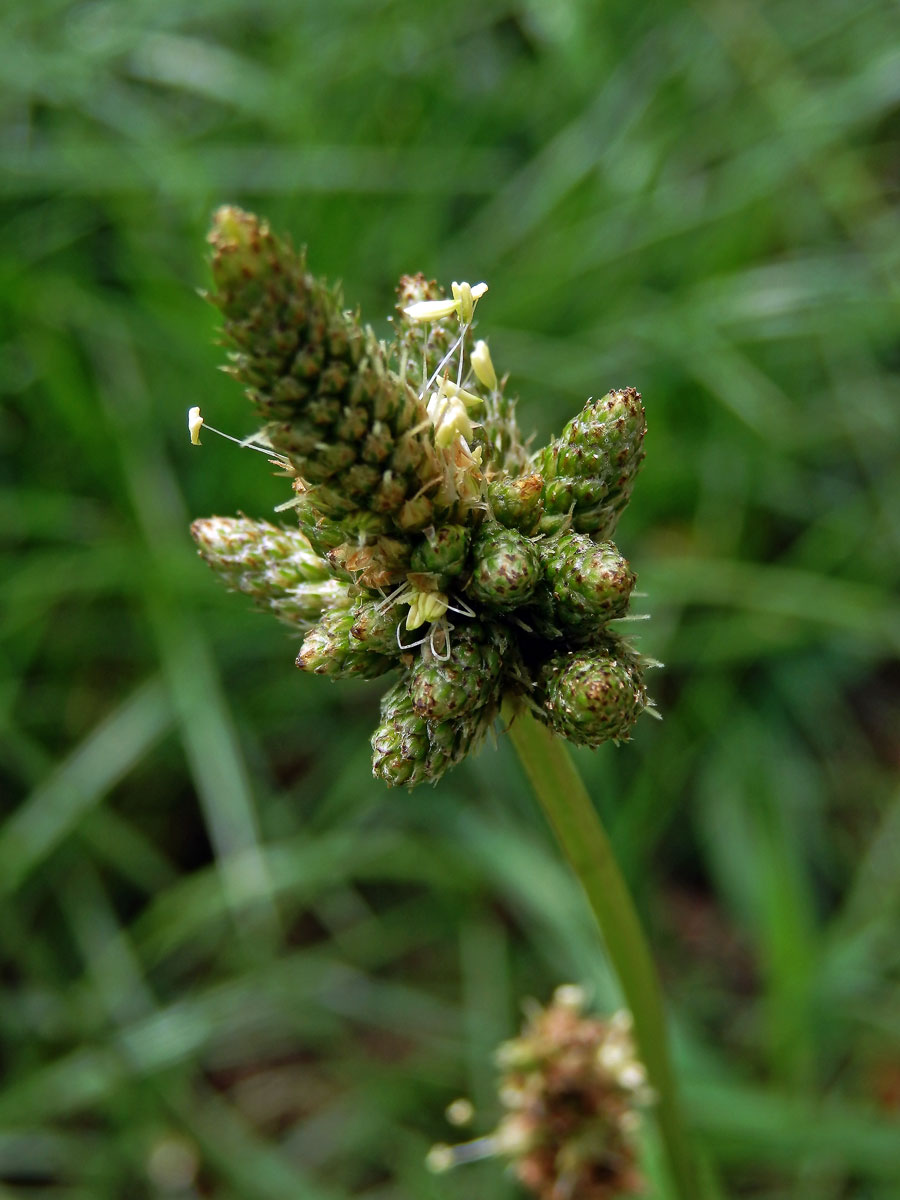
(400, 745)
(277, 567)
(505, 567)
(589, 471)
(517, 503)
(593, 695)
(373, 563)
(408, 750)
(375, 626)
(466, 679)
(442, 552)
(589, 583)
(330, 649)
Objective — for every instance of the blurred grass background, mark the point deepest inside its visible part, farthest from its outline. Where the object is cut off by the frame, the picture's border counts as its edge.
(235, 966)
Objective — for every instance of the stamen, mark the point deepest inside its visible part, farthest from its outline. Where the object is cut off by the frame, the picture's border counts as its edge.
(464, 610)
(196, 423)
(411, 645)
(401, 594)
(442, 626)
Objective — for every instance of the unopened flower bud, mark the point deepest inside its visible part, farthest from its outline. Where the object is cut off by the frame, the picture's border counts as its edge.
(415, 514)
(375, 626)
(506, 567)
(400, 744)
(593, 695)
(276, 567)
(589, 471)
(442, 551)
(590, 583)
(517, 502)
(465, 680)
(330, 649)
(408, 750)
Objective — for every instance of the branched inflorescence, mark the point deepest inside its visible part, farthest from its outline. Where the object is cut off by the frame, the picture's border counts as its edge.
(429, 541)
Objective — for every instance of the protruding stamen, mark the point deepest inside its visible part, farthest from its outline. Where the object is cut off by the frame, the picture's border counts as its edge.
(196, 423)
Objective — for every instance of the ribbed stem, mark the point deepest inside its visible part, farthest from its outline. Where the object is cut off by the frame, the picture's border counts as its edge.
(568, 808)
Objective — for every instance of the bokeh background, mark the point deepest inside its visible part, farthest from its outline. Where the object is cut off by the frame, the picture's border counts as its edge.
(234, 965)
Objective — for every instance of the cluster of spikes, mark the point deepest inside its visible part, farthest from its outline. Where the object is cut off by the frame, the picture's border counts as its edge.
(572, 1092)
(427, 541)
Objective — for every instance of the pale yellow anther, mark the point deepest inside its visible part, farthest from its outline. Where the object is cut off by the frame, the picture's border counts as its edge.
(425, 607)
(613, 1055)
(440, 1158)
(570, 995)
(633, 1076)
(460, 1112)
(467, 470)
(430, 310)
(450, 419)
(448, 388)
(462, 303)
(465, 296)
(465, 305)
(195, 424)
(480, 358)
(515, 1136)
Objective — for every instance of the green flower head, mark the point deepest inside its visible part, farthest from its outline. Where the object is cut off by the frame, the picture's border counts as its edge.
(427, 543)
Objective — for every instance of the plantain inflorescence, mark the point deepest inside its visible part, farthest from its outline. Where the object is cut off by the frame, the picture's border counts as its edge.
(429, 543)
(573, 1095)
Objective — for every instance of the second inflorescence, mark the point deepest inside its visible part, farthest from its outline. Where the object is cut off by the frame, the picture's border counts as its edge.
(428, 541)
(573, 1093)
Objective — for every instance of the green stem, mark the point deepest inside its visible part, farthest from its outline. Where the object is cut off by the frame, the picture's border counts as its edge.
(568, 808)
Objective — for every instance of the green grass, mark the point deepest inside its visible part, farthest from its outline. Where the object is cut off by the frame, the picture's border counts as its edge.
(223, 944)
